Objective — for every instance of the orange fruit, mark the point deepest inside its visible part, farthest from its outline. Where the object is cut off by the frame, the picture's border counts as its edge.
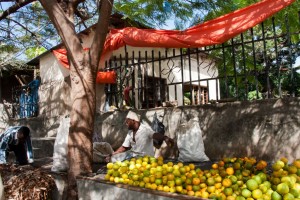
(230, 170)
(192, 166)
(218, 185)
(292, 169)
(284, 159)
(221, 163)
(211, 189)
(176, 172)
(180, 164)
(183, 178)
(282, 188)
(261, 165)
(210, 181)
(276, 196)
(248, 165)
(189, 187)
(187, 168)
(171, 183)
(146, 179)
(188, 181)
(218, 179)
(252, 184)
(228, 191)
(205, 195)
(170, 164)
(257, 194)
(246, 172)
(196, 188)
(236, 165)
(226, 182)
(263, 176)
(257, 179)
(196, 181)
(288, 196)
(166, 188)
(215, 166)
(107, 177)
(296, 163)
(109, 165)
(277, 166)
(179, 188)
(170, 177)
(246, 193)
(190, 193)
(178, 181)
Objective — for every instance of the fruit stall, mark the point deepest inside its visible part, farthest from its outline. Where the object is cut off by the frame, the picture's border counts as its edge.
(229, 179)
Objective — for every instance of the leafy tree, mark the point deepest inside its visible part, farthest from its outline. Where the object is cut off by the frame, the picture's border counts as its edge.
(273, 60)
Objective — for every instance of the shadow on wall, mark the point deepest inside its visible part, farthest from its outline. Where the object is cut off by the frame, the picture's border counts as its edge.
(266, 129)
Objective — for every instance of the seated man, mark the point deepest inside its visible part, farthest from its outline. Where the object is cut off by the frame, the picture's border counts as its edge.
(139, 140)
(16, 139)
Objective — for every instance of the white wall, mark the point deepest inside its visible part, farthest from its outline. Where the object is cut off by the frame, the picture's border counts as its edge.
(54, 92)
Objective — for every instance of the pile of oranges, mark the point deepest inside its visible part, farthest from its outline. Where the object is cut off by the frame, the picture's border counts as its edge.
(228, 179)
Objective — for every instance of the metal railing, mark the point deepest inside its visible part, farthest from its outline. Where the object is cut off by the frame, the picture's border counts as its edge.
(257, 64)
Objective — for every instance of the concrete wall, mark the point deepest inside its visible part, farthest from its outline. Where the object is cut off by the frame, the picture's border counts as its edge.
(267, 129)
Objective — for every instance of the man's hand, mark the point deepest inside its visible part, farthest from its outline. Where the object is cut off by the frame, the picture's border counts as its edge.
(108, 158)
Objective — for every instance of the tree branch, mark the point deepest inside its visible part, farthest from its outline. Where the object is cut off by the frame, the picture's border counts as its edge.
(15, 8)
(101, 30)
(64, 26)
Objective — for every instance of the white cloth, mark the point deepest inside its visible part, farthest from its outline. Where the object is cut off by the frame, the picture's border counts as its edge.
(132, 115)
(1, 189)
(143, 140)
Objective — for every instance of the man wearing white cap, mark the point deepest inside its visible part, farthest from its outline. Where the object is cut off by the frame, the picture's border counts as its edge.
(139, 139)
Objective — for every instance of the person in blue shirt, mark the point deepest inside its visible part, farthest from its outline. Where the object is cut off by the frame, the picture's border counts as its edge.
(33, 97)
(16, 139)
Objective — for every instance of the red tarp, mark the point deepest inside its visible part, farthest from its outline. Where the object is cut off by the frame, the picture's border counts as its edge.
(212, 32)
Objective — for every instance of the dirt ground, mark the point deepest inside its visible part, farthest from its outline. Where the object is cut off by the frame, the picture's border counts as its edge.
(32, 181)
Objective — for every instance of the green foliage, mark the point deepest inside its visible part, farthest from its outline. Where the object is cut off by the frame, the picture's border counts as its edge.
(28, 27)
(254, 95)
(155, 13)
(34, 52)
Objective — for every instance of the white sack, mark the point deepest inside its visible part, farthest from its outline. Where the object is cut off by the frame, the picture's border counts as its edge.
(60, 154)
(190, 143)
(2, 197)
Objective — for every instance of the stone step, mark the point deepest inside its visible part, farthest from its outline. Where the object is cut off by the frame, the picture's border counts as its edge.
(43, 147)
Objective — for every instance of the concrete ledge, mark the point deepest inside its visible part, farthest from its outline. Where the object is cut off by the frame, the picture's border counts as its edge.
(96, 188)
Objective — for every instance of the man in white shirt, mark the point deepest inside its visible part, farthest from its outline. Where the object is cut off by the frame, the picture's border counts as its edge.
(139, 140)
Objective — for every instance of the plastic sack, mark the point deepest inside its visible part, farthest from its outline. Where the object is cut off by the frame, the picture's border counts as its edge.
(100, 151)
(190, 143)
(60, 162)
(158, 127)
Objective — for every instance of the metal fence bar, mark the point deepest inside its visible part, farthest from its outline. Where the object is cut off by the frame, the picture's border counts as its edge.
(288, 35)
(182, 75)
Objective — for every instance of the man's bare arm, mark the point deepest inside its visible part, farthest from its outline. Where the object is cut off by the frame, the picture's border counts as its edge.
(120, 150)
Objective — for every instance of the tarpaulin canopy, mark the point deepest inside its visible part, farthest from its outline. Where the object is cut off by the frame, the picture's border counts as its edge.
(212, 32)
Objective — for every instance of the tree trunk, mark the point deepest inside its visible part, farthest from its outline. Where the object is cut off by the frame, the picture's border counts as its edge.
(83, 71)
(82, 123)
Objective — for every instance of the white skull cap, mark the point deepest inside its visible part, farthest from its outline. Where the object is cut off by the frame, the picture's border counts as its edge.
(132, 115)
